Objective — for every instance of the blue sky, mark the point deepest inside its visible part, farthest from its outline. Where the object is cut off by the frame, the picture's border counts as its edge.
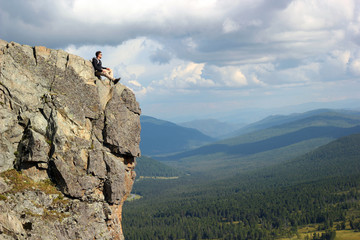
(195, 59)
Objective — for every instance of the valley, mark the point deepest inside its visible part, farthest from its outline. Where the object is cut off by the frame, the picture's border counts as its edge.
(287, 181)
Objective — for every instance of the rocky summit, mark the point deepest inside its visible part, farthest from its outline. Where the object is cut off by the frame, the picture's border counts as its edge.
(68, 145)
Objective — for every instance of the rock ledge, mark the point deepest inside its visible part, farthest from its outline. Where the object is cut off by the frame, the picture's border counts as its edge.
(61, 126)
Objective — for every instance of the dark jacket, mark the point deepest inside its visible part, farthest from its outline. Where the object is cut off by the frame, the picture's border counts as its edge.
(97, 64)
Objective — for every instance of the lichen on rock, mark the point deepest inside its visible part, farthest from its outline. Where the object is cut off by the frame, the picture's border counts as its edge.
(58, 122)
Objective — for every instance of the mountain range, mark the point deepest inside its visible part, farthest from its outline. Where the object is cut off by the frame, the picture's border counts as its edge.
(159, 137)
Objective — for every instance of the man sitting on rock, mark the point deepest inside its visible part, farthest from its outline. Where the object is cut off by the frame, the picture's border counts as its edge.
(102, 71)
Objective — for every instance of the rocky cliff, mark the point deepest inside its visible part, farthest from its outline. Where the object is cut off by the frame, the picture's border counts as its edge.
(68, 144)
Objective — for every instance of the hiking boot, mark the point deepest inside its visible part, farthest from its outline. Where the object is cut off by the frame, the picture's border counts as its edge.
(116, 80)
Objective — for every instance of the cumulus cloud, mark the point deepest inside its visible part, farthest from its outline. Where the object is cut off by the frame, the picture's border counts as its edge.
(228, 76)
(215, 32)
(203, 46)
(355, 67)
(136, 87)
(324, 14)
(256, 81)
(185, 76)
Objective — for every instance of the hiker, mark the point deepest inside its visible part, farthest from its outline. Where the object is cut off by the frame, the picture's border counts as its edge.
(102, 71)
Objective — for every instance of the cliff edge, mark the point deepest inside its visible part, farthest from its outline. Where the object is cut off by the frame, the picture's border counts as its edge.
(68, 144)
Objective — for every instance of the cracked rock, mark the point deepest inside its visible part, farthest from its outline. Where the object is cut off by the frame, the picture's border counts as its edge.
(60, 124)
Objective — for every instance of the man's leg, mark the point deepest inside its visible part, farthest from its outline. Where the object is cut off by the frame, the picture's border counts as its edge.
(108, 74)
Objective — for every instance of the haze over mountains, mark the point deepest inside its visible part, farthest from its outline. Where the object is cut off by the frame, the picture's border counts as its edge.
(250, 115)
(324, 115)
(213, 128)
(162, 137)
(263, 143)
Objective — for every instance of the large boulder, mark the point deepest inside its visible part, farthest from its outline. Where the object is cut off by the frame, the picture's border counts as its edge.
(60, 124)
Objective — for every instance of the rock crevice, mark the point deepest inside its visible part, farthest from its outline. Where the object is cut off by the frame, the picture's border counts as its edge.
(60, 123)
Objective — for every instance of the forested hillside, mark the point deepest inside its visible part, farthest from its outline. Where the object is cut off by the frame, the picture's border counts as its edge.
(320, 188)
(148, 167)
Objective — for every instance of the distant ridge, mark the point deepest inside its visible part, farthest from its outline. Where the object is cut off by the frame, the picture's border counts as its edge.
(270, 143)
(212, 127)
(160, 137)
(276, 120)
(322, 124)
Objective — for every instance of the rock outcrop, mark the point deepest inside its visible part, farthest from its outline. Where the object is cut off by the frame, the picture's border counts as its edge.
(73, 140)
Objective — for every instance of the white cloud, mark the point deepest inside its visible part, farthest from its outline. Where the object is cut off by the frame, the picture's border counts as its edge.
(255, 80)
(229, 76)
(187, 75)
(208, 46)
(153, 16)
(135, 83)
(137, 88)
(342, 56)
(193, 76)
(355, 67)
(230, 26)
(322, 14)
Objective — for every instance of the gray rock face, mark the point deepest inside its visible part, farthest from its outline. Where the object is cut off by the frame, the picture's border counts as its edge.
(59, 122)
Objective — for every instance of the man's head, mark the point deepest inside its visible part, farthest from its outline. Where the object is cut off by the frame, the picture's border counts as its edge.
(98, 54)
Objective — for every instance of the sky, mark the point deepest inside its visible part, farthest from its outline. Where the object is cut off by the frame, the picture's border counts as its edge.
(195, 59)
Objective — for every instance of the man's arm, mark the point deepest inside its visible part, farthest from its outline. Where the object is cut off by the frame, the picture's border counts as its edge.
(102, 66)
